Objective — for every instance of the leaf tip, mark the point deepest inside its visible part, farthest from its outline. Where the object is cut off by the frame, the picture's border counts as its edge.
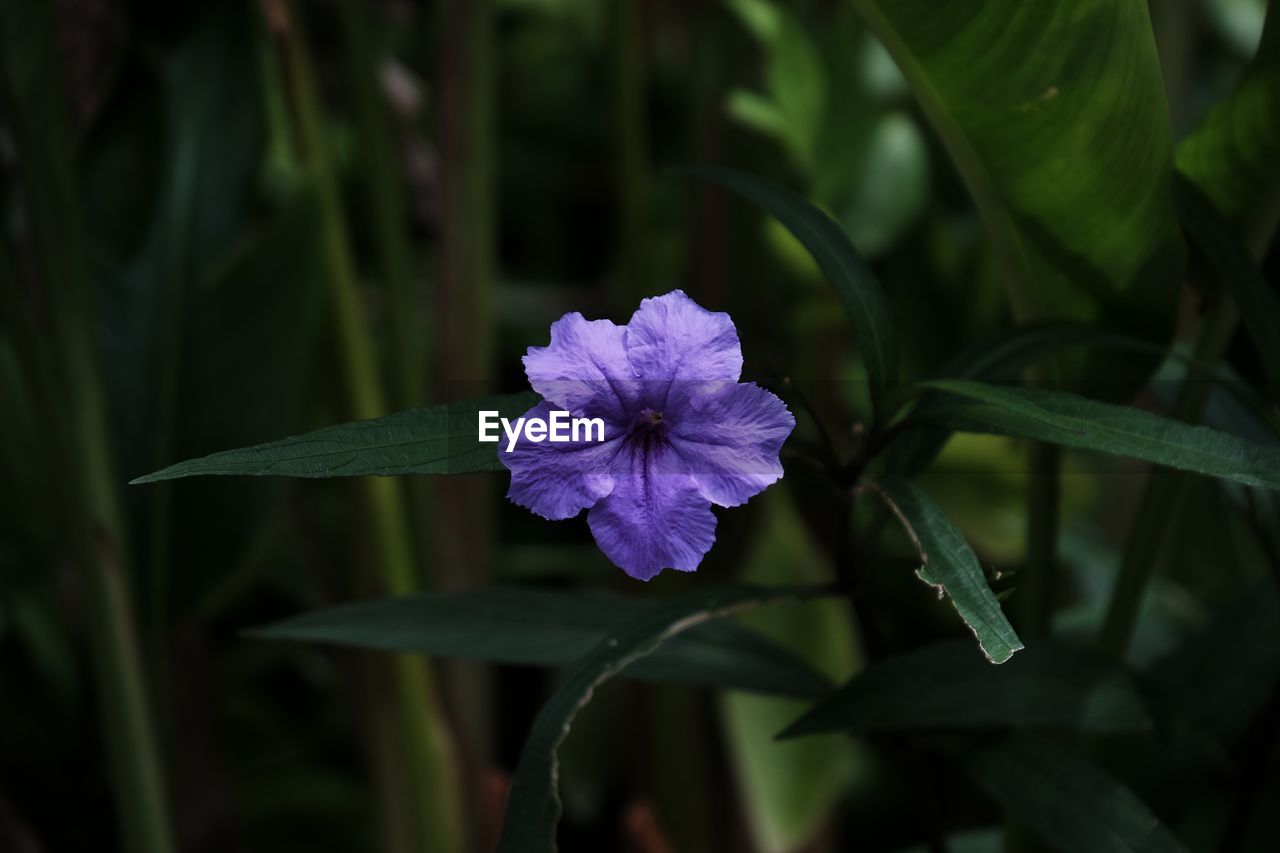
(791, 732)
(155, 477)
(1006, 654)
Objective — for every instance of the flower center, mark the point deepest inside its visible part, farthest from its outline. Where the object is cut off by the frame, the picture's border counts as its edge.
(650, 426)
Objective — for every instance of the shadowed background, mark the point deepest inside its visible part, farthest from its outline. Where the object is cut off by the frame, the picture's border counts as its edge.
(227, 222)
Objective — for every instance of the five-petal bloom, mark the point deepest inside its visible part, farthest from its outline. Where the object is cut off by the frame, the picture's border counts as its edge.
(681, 432)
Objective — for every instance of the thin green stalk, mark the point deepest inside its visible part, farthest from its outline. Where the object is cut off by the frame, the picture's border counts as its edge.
(386, 203)
(631, 136)
(1036, 586)
(99, 549)
(465, 273)
(431, 765)
(467, 131)
(131, 741)
(853, 559)
(1160, 499)
(82, 462)
(1043, 499)
(180, 207)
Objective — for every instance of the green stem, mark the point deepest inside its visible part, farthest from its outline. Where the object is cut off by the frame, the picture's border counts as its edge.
(631, 137)
(466, 130)
(179, 205)
(1160, 499)
(1036, 590)
(1043, 499)
(465, 273)
(431, 766)
(98, 550)
(82, 459)
(387, 205)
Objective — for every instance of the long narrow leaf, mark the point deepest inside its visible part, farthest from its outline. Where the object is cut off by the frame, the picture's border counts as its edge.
(1073, 421)
(437, 440)
(529, 626)
(854, 283)
(948, 686)
(1073, 805)
(533, 806)
(1005, 357)
(950, 565)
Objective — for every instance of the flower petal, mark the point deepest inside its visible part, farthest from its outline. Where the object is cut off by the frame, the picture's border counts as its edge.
(676, 346)
(730, 441)
(652, 521)
(558, 480)
(585, 370)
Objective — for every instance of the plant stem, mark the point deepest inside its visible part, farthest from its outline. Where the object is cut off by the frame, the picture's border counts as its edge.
(1043, 500)
(179, 207)
(1164, 487)
(82, 459)
(848, 560)
(1036, 590)
(465, 129)
(431, 766)
(466, 137)
(631, 137)
(386, 203)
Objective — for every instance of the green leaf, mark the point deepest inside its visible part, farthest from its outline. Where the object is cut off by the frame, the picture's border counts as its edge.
(1219, 242)
(887, 186)
(1005, 357)
(1082, 126)
(795, 76)
(948, 686)
(529, 626)
(951, 566)
(757, 112)
(1073, 805)
(1232, 156)
(435, 440)
(1073, 421)
(533, 805)
(856, 286)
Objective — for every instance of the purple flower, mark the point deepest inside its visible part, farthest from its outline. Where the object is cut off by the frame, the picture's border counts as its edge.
(681, 432)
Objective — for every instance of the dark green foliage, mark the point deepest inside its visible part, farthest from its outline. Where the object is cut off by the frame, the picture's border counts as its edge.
(852, 280)
(526, 626)
(951, 566)
(972, 243)
(533, 806)
(1069, 802)
(1048, 686)
(1074, 421)
(437, 440)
